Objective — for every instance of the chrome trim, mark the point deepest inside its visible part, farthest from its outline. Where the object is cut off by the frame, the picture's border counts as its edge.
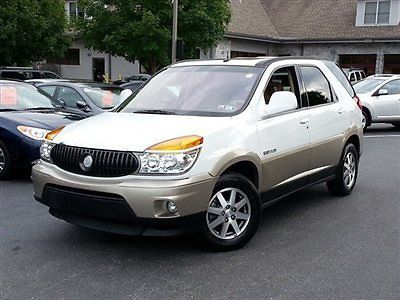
(301, 175)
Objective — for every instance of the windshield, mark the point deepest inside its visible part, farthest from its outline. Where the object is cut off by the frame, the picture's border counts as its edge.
(23, 96)
(196, 90)
(104, 97)
(367, 85)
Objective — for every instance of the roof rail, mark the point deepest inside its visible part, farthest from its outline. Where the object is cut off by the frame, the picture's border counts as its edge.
(268, 61)
(16, 68)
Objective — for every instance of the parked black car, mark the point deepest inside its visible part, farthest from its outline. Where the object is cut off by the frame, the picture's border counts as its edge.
(132, 85)
(136, 77)
(27, 114)
(91, 98)
(22, 73)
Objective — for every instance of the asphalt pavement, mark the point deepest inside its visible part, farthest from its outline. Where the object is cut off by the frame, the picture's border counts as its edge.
(309, 246)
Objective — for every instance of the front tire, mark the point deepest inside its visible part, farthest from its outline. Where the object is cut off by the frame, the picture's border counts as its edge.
(346, 174)
(366, 120)
(5, 162)
(397, 125)
(233, 214)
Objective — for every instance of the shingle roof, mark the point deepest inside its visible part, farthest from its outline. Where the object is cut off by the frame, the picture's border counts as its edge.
(304, 20)
(250, 18)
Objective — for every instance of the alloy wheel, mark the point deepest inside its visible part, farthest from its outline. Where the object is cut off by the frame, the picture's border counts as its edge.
(349, 170)
(2, 160)
(228, 213)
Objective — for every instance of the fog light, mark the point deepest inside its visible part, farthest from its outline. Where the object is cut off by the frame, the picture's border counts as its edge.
(172, 208)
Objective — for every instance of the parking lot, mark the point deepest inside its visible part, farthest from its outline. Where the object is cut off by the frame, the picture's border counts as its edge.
(309, 246)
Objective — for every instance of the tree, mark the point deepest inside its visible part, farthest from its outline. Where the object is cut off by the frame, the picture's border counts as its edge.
(141, 29)
(32, 30)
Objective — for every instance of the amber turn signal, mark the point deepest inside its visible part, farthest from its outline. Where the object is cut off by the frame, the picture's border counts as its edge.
(181, 143)
(52, 134)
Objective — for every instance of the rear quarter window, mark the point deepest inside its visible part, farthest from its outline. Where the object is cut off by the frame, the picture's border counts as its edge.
(339, 74)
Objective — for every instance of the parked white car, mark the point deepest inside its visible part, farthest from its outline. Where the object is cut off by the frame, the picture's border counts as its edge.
(380, 97)
(203, 147)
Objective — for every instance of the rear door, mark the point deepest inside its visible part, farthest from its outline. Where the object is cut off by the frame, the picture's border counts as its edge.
(328, 122)
(387, 107)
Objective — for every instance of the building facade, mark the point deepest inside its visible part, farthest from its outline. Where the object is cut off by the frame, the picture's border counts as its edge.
(354, 33)
(88, 64)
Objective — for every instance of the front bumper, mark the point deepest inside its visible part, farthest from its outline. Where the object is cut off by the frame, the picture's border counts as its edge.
(126, 205)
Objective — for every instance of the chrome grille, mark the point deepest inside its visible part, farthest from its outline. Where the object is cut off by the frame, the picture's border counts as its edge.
(104, 163)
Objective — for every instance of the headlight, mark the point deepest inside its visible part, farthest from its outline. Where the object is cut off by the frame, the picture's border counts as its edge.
(171, 157)
(32, 132)
(45, 150)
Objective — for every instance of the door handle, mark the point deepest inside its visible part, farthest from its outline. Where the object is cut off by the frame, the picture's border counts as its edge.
(340, 111)
(304, 121)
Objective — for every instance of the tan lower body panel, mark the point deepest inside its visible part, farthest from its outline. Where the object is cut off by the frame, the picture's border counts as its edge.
(284, 166)
(144, 196)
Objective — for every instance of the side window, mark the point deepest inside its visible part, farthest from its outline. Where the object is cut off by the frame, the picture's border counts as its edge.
(49, 89)
(283, 79)
(12, 75)
(393, 87)
(352, 77)
(50, 75)
(358, 76)
(318, 90)
(69, 96)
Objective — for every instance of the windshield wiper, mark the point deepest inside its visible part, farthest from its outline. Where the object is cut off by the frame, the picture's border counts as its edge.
(155, 111)
(8, 109)
(40, 108)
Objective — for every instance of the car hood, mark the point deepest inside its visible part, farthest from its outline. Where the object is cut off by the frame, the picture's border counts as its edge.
(136, 132)
(46, 119)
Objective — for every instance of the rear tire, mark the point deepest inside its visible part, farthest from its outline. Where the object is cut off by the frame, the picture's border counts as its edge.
(5, 162)
(346, 174)
(233, 214)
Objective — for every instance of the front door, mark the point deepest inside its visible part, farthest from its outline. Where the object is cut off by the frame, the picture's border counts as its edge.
(387, 107)
(284, 140)
(99, 69)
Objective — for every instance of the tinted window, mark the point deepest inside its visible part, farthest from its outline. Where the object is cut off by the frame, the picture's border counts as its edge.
(69, 97)
(283, 79)
(12, 75)
(340, 76)
(358, 76)
(49, 89)
(393, 87)
(352, 77)
(317, 86)
(50, 75)
(32, 75)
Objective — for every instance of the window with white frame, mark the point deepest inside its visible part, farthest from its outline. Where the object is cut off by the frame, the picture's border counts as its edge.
(73, 11)
(377, 12)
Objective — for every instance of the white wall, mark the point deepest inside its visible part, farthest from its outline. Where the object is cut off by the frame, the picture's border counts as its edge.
(85, 70)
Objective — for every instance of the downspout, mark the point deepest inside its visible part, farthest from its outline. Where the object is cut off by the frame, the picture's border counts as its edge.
(109, 67)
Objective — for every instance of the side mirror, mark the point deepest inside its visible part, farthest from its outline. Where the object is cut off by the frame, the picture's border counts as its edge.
(83, 106)
(281, 102)
(125, 94)
(383, 92)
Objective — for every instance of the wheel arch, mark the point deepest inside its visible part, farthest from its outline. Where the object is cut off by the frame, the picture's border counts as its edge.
(368, 112)
(247, 166)
(355, 140)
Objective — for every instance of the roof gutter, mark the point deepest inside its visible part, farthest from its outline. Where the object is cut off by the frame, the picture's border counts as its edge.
(308, 41)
